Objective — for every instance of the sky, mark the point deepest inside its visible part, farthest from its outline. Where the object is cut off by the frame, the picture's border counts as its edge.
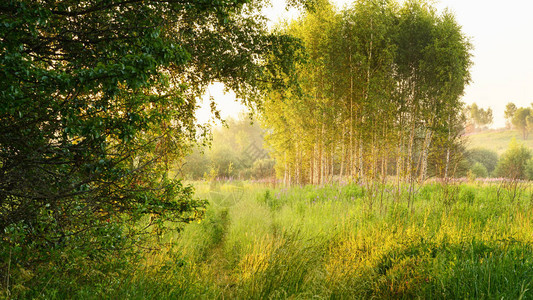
(501, 33)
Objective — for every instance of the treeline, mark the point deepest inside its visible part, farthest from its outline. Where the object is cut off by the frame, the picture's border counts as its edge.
(515, 164)
(477, 118)
(236, 151)
(380, 95)
(520, 118)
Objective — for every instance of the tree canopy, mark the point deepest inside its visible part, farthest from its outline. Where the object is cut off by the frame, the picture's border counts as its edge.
(479, 117)
(522, 120)
(510, 110)
(380, 94)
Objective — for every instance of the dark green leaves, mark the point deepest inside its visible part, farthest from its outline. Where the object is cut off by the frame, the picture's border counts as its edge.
(97, 100)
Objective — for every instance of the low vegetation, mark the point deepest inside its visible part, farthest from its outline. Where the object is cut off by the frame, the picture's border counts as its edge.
(457, 241)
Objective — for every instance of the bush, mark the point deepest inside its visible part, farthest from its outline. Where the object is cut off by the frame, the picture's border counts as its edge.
(195, 165)
(513, 162)
(479, 170)
(225, 160)
(263, 168)
(485, 157)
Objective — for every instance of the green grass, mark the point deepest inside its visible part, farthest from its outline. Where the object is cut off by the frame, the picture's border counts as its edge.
(497, 140)
(326, 242)
(333, 242)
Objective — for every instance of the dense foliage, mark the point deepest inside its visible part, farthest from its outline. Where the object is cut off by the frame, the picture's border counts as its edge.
(97, 99)
(380, 95)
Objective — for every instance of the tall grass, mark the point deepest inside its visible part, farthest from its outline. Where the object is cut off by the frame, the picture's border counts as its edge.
(325, 242)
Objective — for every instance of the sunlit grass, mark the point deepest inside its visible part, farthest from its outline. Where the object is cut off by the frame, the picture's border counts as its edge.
(497, 140)
(325, 242)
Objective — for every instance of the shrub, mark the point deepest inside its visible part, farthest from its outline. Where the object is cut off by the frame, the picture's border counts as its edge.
(487, 158)
(263, 168)
(513, 162)
(479, 170)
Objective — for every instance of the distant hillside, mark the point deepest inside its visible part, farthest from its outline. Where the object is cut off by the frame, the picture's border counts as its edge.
(496, 140)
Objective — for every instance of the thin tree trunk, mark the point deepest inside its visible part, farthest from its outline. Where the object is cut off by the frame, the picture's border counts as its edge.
(351, 148)
(330, 166)
(425, 153)
(447, 152)
(361, 159)
(311, 168)
(285, 171)
(342, 156)
(400, 161)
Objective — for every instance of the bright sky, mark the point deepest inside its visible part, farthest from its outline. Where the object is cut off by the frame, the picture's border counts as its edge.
(502, 35)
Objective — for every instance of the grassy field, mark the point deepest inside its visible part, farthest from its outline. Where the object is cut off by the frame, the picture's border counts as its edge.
(465, 241)
(497, 140)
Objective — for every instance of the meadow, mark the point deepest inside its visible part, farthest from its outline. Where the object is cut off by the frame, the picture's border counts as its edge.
(99, 113)
(469, 240)
(496, 140)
